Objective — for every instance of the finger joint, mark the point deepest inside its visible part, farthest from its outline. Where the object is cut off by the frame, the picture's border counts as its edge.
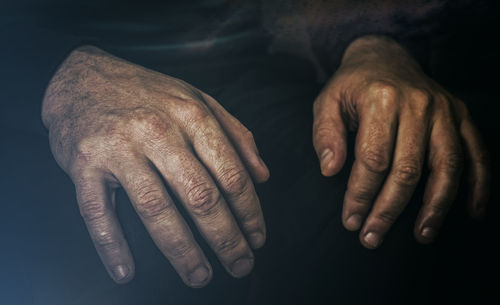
(384, 91)
(388, 216)
(375, 161)
(406, 174)
(92, 210)
(234, 181)
(179, 248)
(202, 199)
(451, 164)
(228, 244)
(151, 201)
(106, 241)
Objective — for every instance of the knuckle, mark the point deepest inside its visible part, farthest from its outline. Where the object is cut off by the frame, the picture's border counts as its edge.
(406, 173)
(202, 199)
(228, 244)
(375, 160)
(251, 218)
(459, 106)
(361, 195)
(439, 209)
(452, 163)
(150, 201)
(421, 102)
(234, 180)
(421, 95)
(145, 121)
(446, 107)
(387, 216)
(92, 210)
(321, 131)
(248, 135)
(194, 110)
(115, 139)
(85, 151)
(385, 91)
(106, 241)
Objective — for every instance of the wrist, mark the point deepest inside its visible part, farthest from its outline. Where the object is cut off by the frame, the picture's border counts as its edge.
(374, 48)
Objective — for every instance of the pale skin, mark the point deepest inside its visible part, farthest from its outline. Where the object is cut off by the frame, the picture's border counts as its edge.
(115, 124)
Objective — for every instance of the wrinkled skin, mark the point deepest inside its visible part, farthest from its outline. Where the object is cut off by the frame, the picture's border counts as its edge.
(112, 123)
(404, 121)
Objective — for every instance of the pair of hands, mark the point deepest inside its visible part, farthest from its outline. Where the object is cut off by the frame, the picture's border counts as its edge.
(112, 124)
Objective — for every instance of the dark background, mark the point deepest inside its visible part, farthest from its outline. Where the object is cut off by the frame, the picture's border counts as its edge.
(46, 256)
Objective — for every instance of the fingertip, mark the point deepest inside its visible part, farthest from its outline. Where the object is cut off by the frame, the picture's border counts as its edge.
(242, 267)
(353, 222)
(425, 235)
(371, 240)
(199, 277)
(123, 273)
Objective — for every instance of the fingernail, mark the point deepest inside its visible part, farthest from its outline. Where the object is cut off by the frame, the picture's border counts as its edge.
(353, 222)
(428, 233)
(120, 272)
(372, 240)
(326, 157)
(199, 275)
(257, 239)
(242, 267)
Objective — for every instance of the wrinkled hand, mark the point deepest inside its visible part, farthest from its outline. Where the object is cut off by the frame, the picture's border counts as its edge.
(404, 120)
(112, 123)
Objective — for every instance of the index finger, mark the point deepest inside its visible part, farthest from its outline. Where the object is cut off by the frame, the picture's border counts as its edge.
(95, 202)
(374, 148)
(163, 221)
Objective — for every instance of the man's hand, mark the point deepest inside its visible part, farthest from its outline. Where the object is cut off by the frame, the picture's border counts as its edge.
(404, 120)
(112, 123)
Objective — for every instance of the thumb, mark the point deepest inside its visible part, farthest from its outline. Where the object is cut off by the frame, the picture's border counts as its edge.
(329, 135)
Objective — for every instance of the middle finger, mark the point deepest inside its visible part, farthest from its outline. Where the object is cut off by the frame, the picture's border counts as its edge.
(374, 145)
(404, 175)
(200, 196)
(216, 152)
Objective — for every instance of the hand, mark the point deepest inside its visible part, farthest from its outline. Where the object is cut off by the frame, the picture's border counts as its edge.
(112, 123)
(405, 119)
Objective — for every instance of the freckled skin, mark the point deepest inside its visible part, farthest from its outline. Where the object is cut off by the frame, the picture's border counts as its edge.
(112, 123)
(400, 114)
